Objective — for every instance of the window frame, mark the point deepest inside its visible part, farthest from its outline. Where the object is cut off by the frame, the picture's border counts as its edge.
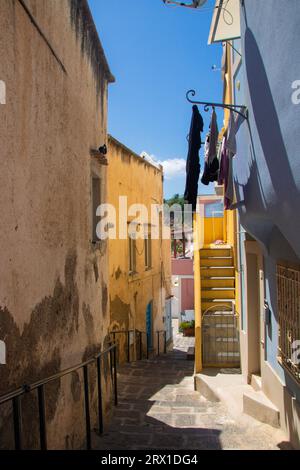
(288, 311)
(132, 255)
(94, 206)
(148, 249)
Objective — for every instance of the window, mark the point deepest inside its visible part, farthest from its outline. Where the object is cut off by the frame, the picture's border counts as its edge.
(214, 209)
(96, 201)
(148, 250)
(288, 302)
(132, 254)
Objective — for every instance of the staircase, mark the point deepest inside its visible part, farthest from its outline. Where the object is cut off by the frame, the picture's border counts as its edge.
(217, 278)
(219, 324)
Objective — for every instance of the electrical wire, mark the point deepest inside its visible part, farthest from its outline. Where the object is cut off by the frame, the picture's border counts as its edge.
(206, 9)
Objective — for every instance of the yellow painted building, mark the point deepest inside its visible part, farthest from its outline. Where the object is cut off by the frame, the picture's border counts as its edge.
(139, 270)
(216, 270)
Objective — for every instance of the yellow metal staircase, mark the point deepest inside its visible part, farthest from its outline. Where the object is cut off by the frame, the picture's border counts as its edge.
(220, 337)
(217, 278)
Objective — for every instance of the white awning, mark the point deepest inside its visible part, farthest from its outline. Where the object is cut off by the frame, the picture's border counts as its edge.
(225, 24)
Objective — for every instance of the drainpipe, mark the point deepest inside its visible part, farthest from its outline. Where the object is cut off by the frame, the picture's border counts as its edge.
(197, 285)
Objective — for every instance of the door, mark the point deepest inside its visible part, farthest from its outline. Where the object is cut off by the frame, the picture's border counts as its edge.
(168, 310)
(255, 306)
(149, 325)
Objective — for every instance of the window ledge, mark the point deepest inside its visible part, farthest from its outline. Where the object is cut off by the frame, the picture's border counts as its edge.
(133, 273)
(99, 157)
(288, 370)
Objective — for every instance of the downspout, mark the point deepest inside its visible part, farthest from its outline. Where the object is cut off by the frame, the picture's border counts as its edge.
(197, 289)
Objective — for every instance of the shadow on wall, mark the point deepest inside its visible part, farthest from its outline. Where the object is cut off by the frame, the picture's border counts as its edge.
(268, 128)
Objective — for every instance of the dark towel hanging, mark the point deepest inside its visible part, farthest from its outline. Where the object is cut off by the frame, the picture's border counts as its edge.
(211, 162)
(193, 162)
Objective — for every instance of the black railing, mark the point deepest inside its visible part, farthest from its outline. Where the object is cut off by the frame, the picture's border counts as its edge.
(15, 398)
(164, 333)
(140, 342)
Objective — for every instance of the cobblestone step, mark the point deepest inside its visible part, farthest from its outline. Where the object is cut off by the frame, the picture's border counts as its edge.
(159, 409)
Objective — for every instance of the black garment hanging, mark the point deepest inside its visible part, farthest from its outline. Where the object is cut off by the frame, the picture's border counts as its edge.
(193, 162)
(211, 162)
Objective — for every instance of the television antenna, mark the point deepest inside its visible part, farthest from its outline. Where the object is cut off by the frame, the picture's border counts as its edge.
(194, 4)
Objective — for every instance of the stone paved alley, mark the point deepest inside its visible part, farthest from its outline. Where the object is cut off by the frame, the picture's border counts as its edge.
(159, 409)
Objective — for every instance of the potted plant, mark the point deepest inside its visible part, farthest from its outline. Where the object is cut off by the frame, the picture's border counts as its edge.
(187, 328)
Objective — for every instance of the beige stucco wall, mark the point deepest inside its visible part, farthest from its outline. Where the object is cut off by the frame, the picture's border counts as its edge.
(129, 175)
(54, 310)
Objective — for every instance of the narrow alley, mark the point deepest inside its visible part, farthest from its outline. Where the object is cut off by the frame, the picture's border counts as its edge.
(159, 409)
(149, 244)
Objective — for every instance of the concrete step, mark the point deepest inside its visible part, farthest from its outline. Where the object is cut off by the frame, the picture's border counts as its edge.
(256, 382)
(227, 293)
(215, 385)
(213, 271)
(190, 355)
(207, 252)
(257, 405)
(216, 281)
(217, 261)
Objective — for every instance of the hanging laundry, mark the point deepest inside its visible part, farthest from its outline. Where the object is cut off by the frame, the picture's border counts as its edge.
(231, 135)
(224, 171)
(228, 152)
(213, 138)
(193, 162)
(211, 162)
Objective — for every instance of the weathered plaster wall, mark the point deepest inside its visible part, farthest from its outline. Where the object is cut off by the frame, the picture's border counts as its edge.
(129, 175)
(54, 309)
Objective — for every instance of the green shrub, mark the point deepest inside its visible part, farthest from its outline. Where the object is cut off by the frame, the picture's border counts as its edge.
(185, 325)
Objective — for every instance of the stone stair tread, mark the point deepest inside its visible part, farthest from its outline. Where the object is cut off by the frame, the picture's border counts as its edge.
(216, 267)
(256, 382)
(216, 278)
(190, 355)
(207, 288)
(257, 405)
(261, 398)
(216, 257)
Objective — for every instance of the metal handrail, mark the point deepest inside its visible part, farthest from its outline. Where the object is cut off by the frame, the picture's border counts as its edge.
(140, 333)
(15, 396)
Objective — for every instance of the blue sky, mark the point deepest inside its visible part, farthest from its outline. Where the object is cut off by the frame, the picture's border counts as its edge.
(157, 53)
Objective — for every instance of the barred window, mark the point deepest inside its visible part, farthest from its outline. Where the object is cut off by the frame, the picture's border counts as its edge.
(148, 250)
(132, 255)
(288, 301)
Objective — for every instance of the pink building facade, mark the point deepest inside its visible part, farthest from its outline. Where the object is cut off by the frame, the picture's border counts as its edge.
(183, 286)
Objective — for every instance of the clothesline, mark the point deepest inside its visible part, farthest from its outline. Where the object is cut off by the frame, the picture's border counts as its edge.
(218, 160)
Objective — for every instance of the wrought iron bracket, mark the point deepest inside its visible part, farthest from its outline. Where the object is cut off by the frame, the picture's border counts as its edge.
(239, 109)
